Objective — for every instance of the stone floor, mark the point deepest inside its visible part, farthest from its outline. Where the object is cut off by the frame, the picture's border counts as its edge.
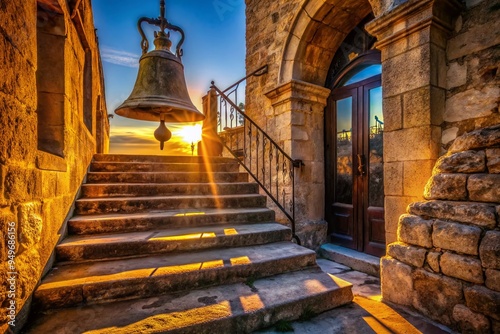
(367, 314)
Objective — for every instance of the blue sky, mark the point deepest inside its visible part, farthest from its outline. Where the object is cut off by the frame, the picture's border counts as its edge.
(214, 50)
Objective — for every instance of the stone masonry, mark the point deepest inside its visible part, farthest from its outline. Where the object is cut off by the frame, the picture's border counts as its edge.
(446, 261)
(53, 119)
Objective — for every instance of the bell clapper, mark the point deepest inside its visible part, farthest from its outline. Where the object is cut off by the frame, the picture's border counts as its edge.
(162, 133)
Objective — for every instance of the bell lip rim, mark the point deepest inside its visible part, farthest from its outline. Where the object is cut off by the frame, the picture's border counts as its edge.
(128, 111)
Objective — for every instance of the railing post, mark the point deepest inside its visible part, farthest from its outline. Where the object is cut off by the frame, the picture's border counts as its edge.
(210, 144)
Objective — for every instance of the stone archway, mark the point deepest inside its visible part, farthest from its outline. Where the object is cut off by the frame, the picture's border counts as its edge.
(318, 30)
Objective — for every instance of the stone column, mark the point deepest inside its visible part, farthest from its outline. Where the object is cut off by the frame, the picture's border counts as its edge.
(210, 144)
(412, 39)
(299, 125)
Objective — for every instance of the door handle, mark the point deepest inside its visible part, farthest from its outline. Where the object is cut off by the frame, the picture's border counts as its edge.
(361, 164)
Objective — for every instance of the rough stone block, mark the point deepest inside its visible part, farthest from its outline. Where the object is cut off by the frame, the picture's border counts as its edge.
(493, 160)
(415, 230)
(473, 213)
(418, 143)
(462, 162)
(489, 250)
(479, 37)
(463, 267)
(433, 261)
(446, 186)
(470, 322)
(471, 103)
(411, 255)
(478, 139)
(449, 135)
(484, 188)
(312, 233)
(411, 68)
(396, 281)
(456, 237)
(457, 75)
(436, 295)
(493, 279)
(483, 300)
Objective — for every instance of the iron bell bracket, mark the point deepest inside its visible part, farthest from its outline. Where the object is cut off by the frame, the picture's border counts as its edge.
(163, 24)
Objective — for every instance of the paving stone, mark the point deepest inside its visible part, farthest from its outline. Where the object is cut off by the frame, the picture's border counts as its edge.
(483, 300)
(466, 268)
(462, 162)
(465, 212)
(411, 255)
(415, 230)
(489, 250)
(456, 237)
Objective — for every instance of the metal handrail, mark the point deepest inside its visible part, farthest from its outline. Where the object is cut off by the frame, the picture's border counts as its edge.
(251, 145)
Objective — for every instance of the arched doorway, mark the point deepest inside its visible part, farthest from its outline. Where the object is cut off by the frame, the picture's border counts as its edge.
(354, 156)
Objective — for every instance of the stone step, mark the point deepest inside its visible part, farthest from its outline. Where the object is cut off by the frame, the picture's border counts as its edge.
(162, 177)
(86, 206)
(231, 308)
(362, 262)
(106, 281)
(106, 166)
(107, 246)
(161, 158)
(115, 222)
(167, 189)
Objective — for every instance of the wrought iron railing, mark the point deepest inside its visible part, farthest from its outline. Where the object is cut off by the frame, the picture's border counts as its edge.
(271, 167)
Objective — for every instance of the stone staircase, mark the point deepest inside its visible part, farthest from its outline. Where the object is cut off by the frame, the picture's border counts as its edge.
(177, 245)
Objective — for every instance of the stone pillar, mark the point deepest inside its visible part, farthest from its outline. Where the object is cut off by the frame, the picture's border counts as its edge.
(412, 39)
(210, 144)
(299, 126)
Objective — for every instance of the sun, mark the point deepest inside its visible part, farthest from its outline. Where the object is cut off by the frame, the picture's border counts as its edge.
(191, 133)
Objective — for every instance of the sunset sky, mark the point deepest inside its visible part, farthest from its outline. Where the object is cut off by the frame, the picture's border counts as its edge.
(214, 50)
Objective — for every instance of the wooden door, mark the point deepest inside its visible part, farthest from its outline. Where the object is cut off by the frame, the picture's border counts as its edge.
(354, 166)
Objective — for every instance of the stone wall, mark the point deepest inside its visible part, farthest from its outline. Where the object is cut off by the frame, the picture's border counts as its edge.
(473, 76)
(52, 120)
(446, 261)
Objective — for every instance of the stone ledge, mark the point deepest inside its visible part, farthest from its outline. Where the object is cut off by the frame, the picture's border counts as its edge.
(50, 162)
(362, 262)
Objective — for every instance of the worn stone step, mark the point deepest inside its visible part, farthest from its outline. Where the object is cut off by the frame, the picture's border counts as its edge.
(162, 177)
(107, 246)
(166, 189)
(85, 206)
(105, 281)
(105, 166)
(231, 308)
(115, 222)
(161, 158)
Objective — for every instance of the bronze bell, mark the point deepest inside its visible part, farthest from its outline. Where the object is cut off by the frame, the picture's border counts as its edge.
(160, 92)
